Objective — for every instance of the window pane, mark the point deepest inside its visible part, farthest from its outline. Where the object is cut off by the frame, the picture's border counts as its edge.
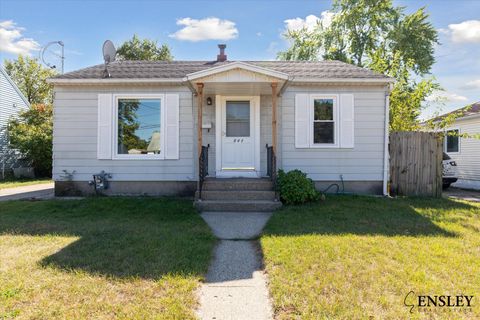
(323, 109)
(323, 132)
(452, 141)
(139, 126)
(238, 119)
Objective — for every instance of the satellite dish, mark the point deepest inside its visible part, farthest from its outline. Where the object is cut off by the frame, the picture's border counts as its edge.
(109, 51)
(109, 54)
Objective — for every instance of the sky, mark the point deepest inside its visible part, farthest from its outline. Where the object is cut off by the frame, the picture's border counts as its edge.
(251, 29)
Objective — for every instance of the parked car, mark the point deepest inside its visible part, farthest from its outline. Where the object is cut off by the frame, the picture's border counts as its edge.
(450, 173)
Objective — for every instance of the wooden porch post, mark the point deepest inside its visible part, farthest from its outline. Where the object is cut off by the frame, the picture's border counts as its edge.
(199, 126)
(274, 117)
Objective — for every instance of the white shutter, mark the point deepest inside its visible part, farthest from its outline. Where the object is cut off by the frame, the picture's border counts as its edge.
(346, 121)
(302, 121)
(105, 124)
(172, 119)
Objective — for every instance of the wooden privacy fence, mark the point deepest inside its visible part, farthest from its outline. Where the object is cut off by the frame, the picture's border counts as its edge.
(416, 163)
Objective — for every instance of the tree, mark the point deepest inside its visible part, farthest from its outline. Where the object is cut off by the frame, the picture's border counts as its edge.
(379, 36)
(31, 78)
(305, 45)
(143, 49)
(31, 134)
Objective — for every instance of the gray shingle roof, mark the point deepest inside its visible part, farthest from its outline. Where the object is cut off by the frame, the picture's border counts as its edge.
(467, 111)
(179, 69)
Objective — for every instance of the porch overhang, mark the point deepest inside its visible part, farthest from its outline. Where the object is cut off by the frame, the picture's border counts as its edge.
(236, 78)
(197, 76)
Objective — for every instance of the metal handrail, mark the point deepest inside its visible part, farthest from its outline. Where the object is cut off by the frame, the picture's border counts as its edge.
(203, 169)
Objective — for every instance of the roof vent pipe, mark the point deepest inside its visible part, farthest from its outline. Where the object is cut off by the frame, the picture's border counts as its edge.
(222, 56)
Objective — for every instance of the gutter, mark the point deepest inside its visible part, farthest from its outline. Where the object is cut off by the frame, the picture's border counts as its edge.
(345, 80)
(386, 158)
(116, 81)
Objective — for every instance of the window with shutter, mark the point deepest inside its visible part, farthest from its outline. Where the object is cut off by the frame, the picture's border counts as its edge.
(324, 121)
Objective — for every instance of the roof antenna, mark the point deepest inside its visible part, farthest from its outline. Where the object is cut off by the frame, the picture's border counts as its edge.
(109, 54)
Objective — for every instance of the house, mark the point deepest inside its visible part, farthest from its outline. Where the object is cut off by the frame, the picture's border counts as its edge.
(155, 125)
(462, 144)
(12, 101)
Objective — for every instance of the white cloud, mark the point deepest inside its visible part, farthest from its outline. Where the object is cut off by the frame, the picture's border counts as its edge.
(205, 29)
(12, 40)
(474, 84)
(445, 96)
(464, 32)
(310, 21)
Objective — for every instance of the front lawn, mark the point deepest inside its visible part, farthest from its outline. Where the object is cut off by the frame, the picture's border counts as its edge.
(5, 184)
(358, 257)
(101, 258)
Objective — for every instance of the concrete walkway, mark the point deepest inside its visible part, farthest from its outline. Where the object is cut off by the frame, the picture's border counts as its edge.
(236, 286)
(34, 192)
(462, 194)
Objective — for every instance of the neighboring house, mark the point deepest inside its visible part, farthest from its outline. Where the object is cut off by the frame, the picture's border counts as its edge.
(326, 118)
(465, 150)
(12, 101)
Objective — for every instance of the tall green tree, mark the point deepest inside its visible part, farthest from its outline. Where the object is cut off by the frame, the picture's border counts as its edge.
(143, 49)
(31, 134)
(377, 35)
(31, 78)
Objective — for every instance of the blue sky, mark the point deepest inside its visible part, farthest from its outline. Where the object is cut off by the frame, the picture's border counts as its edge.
(251, 29)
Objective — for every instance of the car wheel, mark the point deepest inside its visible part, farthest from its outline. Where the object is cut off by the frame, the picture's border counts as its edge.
(445, 186)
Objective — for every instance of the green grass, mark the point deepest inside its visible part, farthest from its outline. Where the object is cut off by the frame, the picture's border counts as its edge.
(358, 257)
(5, 184)
(101, 258)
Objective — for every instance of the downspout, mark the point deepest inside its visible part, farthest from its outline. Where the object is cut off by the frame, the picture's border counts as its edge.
(386, 159)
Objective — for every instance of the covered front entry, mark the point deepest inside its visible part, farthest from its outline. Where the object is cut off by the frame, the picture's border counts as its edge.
(240, 91)
(237, 136)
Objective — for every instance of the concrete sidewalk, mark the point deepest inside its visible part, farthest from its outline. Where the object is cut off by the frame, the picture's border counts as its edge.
(236, 286)
(37, 191)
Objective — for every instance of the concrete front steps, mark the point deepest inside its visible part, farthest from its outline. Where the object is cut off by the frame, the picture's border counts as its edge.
(237, 194)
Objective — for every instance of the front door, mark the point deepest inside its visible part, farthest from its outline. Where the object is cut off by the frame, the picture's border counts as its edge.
(238, 137)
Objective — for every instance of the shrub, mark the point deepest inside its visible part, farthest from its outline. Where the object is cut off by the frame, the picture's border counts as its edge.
(295, 188)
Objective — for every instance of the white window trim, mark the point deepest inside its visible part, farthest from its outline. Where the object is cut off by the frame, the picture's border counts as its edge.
(336, 122)
(117, 156)
(459, 141)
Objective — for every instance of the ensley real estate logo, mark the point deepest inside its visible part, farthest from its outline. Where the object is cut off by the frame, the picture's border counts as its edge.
(442, 303)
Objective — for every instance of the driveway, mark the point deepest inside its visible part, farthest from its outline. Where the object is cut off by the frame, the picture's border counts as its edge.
(33, 192)
(462, 194)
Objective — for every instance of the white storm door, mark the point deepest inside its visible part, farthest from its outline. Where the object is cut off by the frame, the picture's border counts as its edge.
(238, 143)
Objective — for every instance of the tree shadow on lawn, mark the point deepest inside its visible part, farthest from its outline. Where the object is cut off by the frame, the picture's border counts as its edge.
(120, 237)
(361, 215)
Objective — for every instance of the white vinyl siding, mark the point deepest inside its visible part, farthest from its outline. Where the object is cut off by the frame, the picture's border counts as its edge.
(362, 161)
(76, 134)
(468, 157)
(11, 103)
